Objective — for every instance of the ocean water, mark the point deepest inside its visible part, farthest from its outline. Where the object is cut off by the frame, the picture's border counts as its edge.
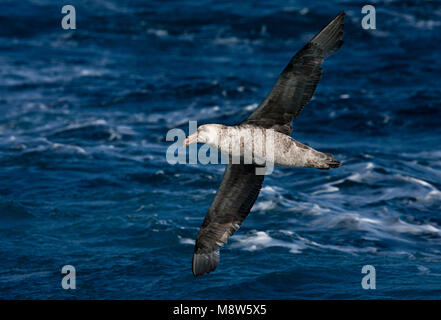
(84, 179)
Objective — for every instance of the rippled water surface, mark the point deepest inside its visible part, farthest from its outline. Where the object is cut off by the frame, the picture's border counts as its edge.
(83, 174)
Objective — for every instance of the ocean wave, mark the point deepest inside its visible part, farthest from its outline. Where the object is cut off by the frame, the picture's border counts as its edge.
(12, 211)
(85, 179)
(261, 240)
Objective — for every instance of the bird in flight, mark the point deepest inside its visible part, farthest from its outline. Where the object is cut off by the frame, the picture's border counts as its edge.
(241, 182)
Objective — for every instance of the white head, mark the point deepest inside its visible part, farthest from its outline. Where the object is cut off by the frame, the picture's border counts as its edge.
(207, 133)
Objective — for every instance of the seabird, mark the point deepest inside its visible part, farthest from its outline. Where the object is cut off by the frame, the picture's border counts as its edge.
(241, 184)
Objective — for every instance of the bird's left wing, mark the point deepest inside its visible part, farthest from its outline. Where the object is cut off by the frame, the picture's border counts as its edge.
(298, 81)
(234, 199)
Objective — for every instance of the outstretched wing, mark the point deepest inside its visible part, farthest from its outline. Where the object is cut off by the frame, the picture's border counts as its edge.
(234, 199)
(298, 81)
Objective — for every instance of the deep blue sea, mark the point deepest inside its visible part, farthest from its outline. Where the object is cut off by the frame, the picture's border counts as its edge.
(84, 179)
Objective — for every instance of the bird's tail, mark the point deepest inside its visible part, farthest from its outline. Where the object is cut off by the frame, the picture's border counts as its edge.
(327, 161)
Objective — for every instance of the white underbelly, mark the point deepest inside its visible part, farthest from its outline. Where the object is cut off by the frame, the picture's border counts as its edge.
(260, 146)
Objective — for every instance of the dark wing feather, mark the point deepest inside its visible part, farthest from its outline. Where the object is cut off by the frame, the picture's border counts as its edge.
(234, 199)
(298, 81)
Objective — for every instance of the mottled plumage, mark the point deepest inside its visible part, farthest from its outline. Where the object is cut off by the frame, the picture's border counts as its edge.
(241, 185)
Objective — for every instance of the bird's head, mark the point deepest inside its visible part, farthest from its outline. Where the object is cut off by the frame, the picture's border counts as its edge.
(207, 133)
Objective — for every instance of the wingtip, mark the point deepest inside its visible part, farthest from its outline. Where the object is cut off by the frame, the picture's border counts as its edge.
(329, 39)
(204, 262)
(340, 17)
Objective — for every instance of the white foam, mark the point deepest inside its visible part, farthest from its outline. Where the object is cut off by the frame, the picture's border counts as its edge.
(327, 188)
(304, 11)
(404, 227)
(160, 33)
(226, 41)
(347, 249)
(432, 195)
(423, 269)
(417, 181)
(264, 206)
(261, 240)
(68, 148)
(251, 107)
(186, 241)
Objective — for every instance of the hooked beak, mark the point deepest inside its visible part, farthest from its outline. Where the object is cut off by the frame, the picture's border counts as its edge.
(191, 139)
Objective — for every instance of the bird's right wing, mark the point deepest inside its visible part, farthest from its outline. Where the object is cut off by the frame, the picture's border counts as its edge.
(234, 199)
(298, 81)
